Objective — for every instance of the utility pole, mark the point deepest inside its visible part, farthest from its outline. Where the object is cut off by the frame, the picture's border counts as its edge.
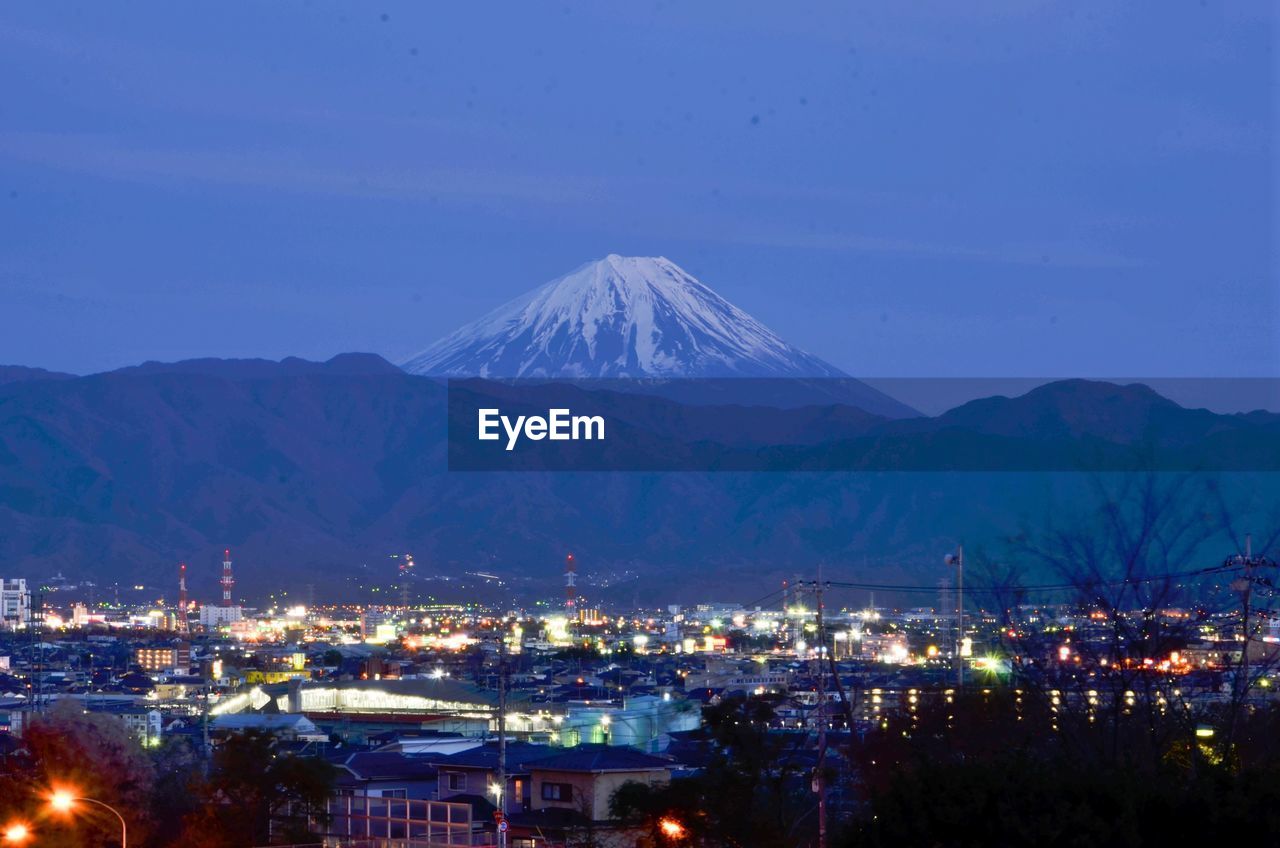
(1242, 679)
(820, 777)
(37, 627)
(502, 734)
(1244, 584)
(207, 755)
(957, 559)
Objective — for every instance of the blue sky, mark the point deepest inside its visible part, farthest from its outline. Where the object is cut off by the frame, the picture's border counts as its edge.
(949, 189)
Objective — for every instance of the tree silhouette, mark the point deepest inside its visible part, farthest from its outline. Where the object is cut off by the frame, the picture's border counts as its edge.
(253, 790)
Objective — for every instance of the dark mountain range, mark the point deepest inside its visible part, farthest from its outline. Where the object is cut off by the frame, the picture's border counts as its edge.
(22, 374)
(349, 364)
(314, 473)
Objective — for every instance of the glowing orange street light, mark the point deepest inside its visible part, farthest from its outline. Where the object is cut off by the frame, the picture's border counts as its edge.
(671, 828)
(64, 801)
(17, 833)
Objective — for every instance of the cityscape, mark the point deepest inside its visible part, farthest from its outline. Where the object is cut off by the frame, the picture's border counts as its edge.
(565, 722)
(729, 424)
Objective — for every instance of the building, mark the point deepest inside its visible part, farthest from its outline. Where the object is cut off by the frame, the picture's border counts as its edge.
(145, 725)
(214, 616)
(440, 705)
(474, 772)
(388, 774)
(644, 722)
(583, 779)
(81, 617)
(286, 727)
(166, 658)
(15, 603)
(746, 678)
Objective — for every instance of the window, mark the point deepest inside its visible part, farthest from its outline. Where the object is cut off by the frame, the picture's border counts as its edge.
(395, 793)
(557, 791)
(456, 781)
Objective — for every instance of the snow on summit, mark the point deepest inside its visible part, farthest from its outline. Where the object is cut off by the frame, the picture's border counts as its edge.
(622, 316)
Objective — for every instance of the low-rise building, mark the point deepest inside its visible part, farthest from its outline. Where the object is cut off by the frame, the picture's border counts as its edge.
(15, 603)
(215, 616)
(475, 772)
(583, 779)
(388, 774)
(164, 658)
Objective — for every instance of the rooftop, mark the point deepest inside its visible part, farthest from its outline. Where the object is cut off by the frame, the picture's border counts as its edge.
(486, 756)
(597, 758)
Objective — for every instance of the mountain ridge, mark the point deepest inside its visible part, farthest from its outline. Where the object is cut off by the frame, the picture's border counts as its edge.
(315, 477)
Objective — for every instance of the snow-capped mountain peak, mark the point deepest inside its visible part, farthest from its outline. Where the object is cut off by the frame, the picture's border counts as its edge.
(621, 316)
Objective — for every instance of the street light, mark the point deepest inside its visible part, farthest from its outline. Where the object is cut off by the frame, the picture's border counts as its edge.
(957, 559)
(64, 801)
(17, 833)
(671, 828)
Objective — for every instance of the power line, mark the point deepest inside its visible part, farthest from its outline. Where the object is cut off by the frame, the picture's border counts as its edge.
(1045, 587)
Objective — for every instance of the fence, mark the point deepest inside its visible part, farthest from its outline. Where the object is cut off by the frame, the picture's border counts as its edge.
(360, 821)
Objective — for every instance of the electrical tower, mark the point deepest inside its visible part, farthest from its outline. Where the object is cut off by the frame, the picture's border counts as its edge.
(570, 586)
(228, 580)
(183, 624)
(406, 573)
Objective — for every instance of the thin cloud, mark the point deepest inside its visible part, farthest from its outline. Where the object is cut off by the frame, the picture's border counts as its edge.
(102, 157)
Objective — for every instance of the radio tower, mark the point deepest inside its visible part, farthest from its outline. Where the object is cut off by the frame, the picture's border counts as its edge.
(182, 597)
(570, 589)
(227, 580)
(406, 572)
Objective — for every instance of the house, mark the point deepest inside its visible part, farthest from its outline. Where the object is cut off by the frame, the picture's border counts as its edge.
(387, 774)
(284, 726)
(429, 743)
(143, 724)
(475, 772)
(583, 779)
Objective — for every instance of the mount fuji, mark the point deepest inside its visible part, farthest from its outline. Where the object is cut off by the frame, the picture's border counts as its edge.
(621, 316)
(634, 317)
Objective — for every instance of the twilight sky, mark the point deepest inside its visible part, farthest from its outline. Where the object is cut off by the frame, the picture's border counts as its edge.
(984, 188)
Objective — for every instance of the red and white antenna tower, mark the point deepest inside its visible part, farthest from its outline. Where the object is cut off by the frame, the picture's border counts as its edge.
(570, 579)
(227, 580)
(182, 597)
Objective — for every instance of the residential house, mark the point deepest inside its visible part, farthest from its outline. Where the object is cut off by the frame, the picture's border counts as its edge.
(583, 779)
(475, 772)
(387, 774)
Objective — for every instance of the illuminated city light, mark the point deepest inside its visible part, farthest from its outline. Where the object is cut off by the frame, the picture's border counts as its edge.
(671, 828)
(17, 832)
